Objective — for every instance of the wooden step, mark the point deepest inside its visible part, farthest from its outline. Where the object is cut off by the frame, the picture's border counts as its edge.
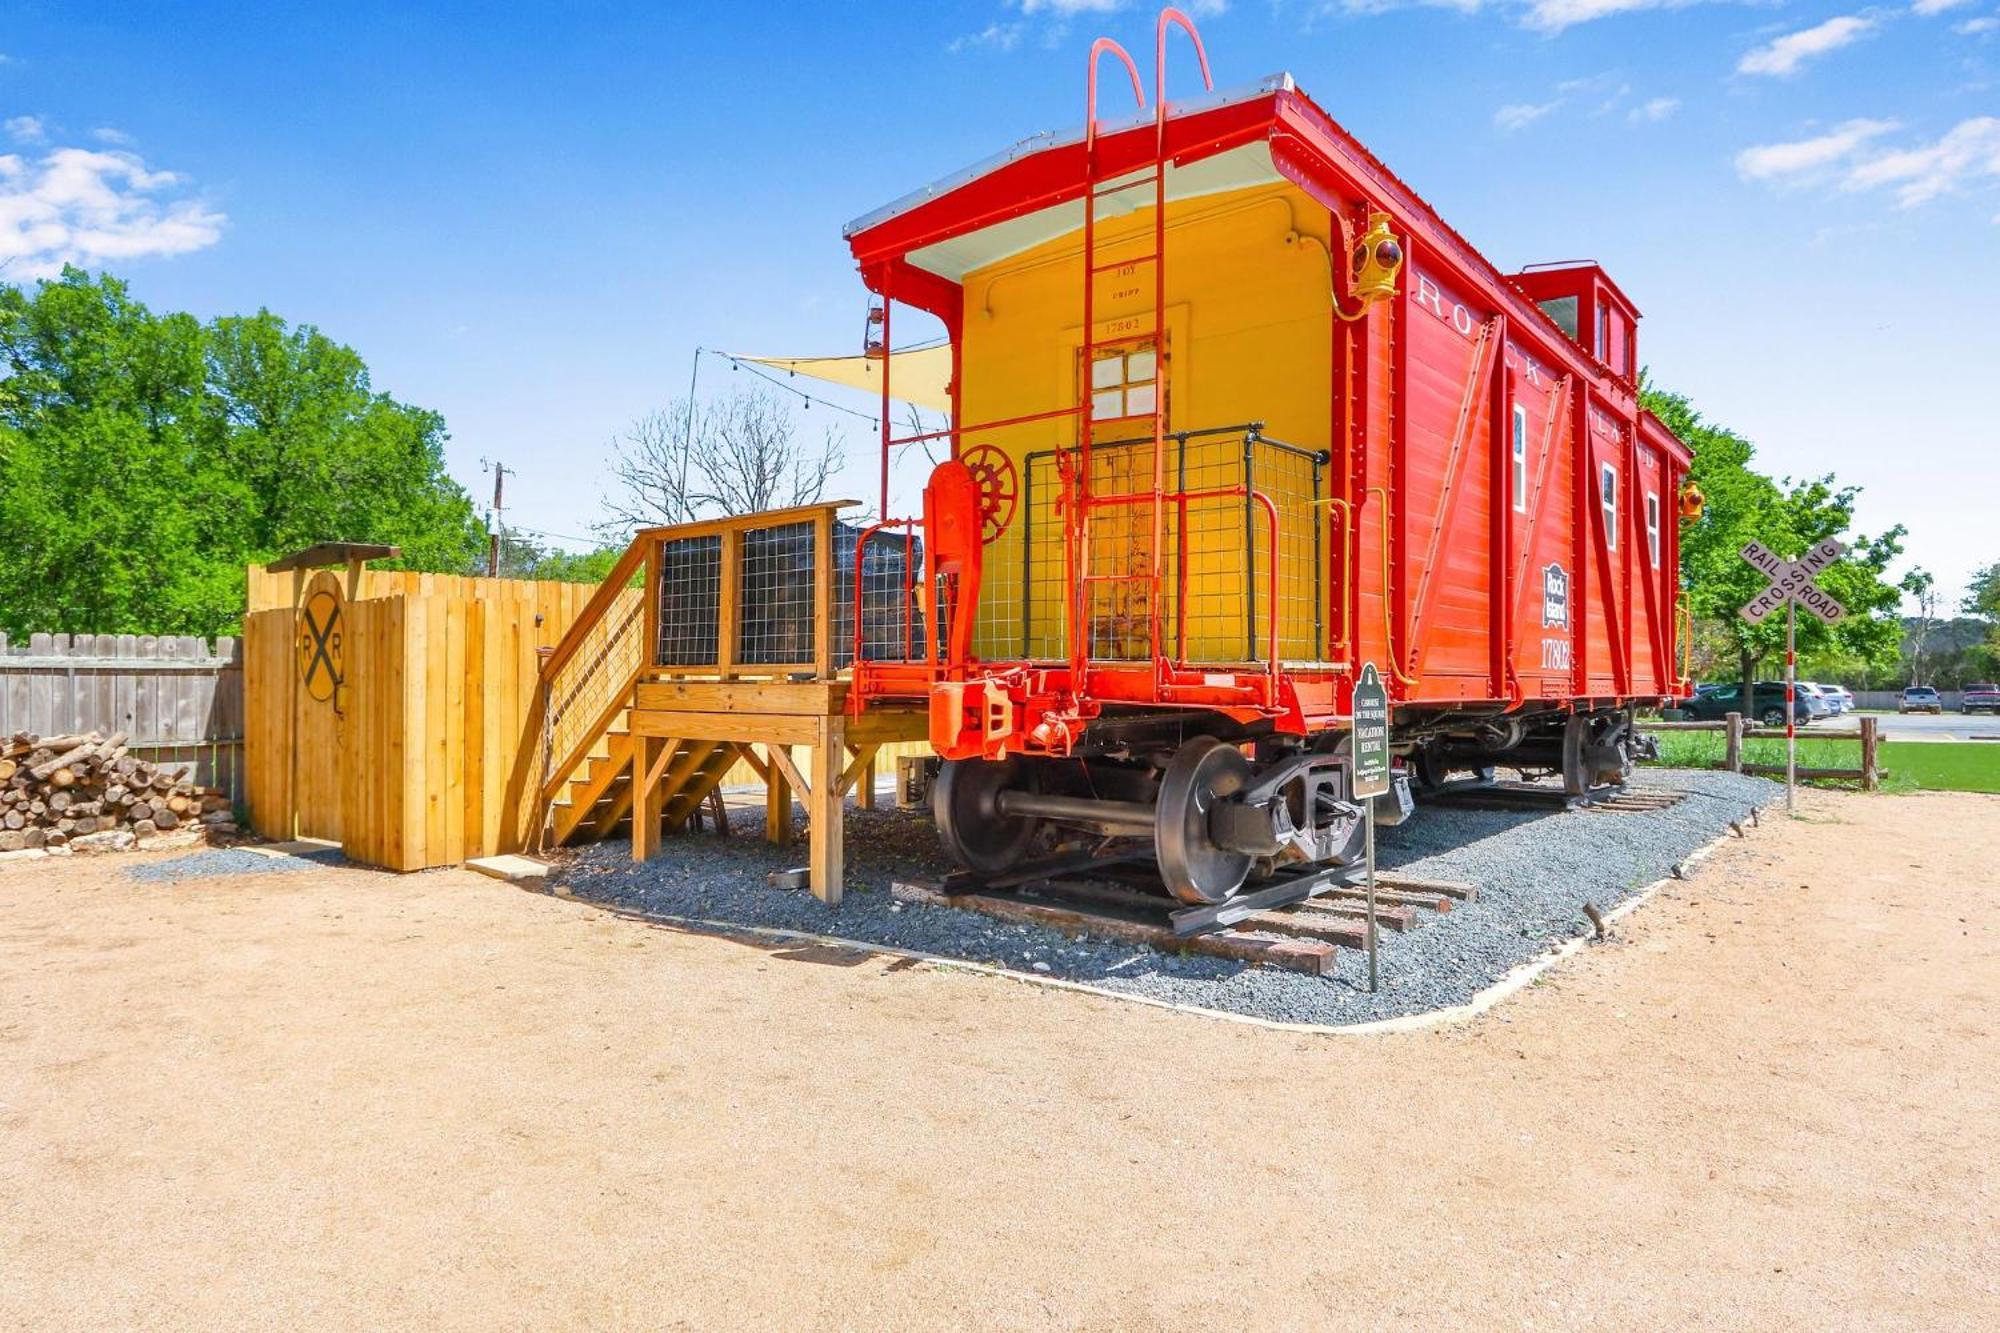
(599, 777)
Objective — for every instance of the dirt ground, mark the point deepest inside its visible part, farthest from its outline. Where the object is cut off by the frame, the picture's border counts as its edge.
(337, 1098)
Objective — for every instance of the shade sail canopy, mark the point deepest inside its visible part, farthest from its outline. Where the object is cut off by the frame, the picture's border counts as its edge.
(921, 375)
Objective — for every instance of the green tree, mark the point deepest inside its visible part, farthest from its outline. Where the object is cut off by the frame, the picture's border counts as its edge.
(1982, 599)
(522, 557)
(148, 458)
(1788, 516)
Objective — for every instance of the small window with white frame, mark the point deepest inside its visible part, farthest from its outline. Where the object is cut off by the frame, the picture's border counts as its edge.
(1520, 456)
(1121, 382)
(1608, 487)
(1653, 528)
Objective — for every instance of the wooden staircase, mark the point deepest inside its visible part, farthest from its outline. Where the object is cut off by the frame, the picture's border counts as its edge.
(598, 796)
(597, 801)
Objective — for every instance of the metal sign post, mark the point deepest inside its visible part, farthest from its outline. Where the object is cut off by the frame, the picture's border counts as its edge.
(1371, 779)
(1791, 585)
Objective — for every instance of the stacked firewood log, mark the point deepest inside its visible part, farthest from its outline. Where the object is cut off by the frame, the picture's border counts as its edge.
(56, 789)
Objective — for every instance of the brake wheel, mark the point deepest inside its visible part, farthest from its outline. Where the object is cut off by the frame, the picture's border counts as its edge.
(999, 488)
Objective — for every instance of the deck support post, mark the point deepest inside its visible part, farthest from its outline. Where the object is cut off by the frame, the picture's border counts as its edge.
(864, 782)
(825, 857)
(777, 799)
(647, 754)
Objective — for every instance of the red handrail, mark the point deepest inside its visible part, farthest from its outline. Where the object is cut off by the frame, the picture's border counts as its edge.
(980, 426)
(1168, 16)
(1098, 48)
(909, 526)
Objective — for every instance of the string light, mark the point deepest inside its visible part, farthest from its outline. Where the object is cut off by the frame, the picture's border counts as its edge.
(737, 363)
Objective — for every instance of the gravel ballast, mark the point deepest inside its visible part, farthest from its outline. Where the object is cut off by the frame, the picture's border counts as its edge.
(227, 861)
(1534, 870)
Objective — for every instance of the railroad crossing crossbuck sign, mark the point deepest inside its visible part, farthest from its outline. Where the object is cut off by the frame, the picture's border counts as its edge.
(322, 660)
(1792, 581)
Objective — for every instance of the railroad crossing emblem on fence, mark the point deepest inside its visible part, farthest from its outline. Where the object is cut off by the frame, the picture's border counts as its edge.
(1792, 581)
(322, 663)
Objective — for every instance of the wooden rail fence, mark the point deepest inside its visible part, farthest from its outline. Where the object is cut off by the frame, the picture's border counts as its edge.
(179, 697)
(1735, 731)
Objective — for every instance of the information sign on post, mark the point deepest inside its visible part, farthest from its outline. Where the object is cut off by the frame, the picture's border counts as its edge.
(1372, 776)
(1791, 586)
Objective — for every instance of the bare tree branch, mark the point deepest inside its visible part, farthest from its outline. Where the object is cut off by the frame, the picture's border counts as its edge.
(735, 456)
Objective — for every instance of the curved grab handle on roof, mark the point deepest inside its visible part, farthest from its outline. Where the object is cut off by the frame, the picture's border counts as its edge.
(1170, 15)
(1098, 48)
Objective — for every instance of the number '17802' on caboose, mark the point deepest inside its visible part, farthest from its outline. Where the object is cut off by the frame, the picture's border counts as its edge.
(1236, 411)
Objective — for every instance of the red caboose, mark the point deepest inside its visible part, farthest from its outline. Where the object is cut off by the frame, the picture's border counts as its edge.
(1235, 413)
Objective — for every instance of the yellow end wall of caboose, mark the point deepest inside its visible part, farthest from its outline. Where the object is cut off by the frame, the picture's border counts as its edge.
(1247, 328)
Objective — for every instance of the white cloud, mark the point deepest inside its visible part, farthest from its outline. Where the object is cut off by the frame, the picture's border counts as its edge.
(1977, 27)
(1070, 8)
(1805, 157)
(116, 138)
(94, 207)
(24, 129)
(1968, 153)
(1547, 16)
(1930, 7)
(1653, 111)
(1787, 53)
(1066, 8)
(1520, 115)
(994, 37)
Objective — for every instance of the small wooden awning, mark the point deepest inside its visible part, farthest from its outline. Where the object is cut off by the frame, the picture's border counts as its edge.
(333, 553)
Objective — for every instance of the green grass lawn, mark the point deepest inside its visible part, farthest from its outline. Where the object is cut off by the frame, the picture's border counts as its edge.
(1911, 765)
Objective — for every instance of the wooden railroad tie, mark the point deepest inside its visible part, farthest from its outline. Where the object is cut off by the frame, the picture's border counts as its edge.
(1301, 937)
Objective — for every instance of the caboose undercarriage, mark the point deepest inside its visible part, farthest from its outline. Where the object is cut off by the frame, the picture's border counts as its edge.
(1226, 804)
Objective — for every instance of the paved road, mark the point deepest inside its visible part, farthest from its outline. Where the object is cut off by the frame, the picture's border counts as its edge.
(1925, 726)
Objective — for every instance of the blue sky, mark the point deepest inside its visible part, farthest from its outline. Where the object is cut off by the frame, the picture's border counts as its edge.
(527, 220)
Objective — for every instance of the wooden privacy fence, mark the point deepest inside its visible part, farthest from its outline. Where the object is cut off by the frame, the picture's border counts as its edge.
(396, 713)
(1735, 731)
(180, 698)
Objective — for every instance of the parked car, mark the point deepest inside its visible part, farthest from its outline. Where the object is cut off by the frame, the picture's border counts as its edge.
(1846, 696)
(1919, 699)
(1835, 705)
(1713, 703)
(1981, 697)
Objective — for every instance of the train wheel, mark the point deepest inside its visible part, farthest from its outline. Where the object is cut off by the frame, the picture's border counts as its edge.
(965, 800)
(1597, 752)
(1201, 774)
(1427, 763)
(1576, 737)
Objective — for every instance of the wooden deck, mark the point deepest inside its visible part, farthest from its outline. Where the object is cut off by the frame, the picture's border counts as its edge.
(713, 648)
(796, 736)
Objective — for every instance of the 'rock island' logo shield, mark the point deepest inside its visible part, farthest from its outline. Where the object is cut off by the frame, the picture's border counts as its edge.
(1555, 598)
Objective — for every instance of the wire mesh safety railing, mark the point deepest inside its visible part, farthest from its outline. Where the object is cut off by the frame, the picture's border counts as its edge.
(585, 689)
(750, 600)
(1216, 581)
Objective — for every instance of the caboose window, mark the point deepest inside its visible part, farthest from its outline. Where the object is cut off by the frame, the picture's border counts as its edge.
(1604, 333)
(1520, 459)
(1653, 528)
(1561, 309)
(1121, 383)
(1609, 485)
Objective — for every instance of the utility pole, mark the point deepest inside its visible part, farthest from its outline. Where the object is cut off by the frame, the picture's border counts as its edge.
(495, 524)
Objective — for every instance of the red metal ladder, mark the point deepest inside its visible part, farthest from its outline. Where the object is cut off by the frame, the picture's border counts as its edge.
(1077, 545)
